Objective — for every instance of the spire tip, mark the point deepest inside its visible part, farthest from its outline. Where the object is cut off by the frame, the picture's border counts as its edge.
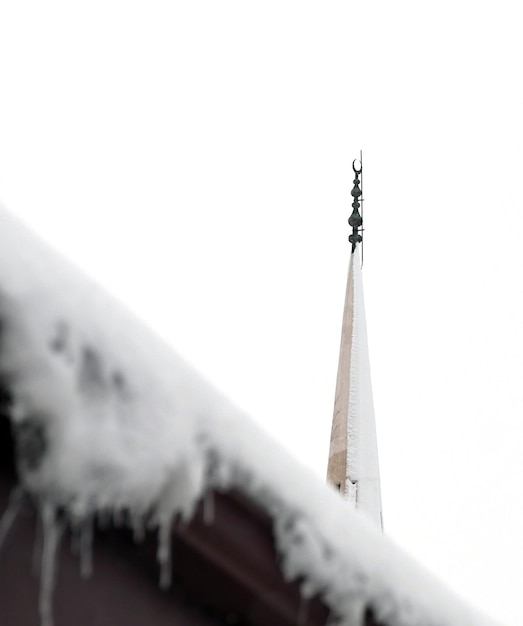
(356, 219)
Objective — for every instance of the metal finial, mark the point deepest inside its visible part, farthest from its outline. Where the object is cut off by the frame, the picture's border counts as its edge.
(356, 220)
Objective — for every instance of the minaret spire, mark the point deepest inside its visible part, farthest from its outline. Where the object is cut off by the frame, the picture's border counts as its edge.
(353, 456)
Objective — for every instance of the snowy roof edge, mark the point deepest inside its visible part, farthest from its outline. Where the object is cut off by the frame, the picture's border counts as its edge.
(107, 416)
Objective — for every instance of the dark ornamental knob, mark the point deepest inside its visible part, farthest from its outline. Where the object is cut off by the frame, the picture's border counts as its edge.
(355, 220)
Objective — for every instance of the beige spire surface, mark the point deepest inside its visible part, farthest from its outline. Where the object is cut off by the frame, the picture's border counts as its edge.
(353, 456)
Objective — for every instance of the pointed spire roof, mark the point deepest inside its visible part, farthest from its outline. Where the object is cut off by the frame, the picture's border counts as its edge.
(353, 456)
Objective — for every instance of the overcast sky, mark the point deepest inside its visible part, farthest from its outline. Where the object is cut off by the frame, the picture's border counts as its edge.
(195, 158)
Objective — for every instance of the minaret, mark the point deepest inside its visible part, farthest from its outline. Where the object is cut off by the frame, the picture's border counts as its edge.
(353, 456)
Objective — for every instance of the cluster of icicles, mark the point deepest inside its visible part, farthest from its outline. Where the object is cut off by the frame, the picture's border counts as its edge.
(82, 531)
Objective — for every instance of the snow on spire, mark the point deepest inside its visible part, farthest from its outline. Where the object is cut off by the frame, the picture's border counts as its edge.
(353, 456)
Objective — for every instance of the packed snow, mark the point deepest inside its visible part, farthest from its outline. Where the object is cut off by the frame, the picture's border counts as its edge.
(109, 418)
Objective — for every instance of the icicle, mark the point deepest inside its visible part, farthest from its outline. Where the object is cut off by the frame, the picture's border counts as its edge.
(10, 513)
(208, 508)
(52, 532)
(138, 527)
(86, 548)
(37, 551)
(164, 553)
(303, 611)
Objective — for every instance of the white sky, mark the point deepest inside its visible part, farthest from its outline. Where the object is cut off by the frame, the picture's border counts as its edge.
(195, 158)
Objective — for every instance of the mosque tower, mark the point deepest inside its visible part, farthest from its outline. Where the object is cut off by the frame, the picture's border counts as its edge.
(353, 466)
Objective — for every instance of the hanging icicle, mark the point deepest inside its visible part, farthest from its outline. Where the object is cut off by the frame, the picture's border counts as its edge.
(164, 553)
(86, 547)
(138, 524)
(10, 513)
(36, 562)
(52, 531)
(208, 508)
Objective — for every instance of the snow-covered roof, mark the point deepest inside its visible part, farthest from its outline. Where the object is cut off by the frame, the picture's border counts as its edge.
(108, 417)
